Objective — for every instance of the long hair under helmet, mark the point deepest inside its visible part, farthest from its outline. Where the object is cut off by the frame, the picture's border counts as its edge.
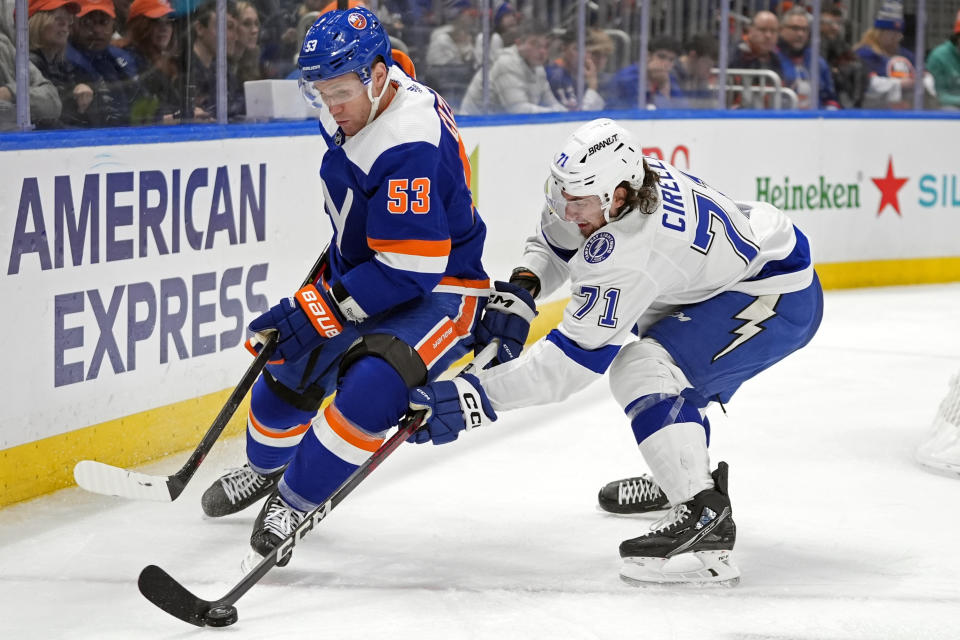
(342, 42)
(593, 161)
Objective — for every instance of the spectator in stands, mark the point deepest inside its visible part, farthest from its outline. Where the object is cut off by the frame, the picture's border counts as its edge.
(202, 69)
(99, 61)
(562, 72)
(280, 40)
(49, 28)
(248, 43)
(693, 71)
(756, 52)
(891, 66)
(663, 92)
(850, 77)
(121, 10)
(797, 65)
(758, 49)
(452, 43)
(944, 65)
(303, 25)
(450, 56)
(44, 97)
(518, 81)
(150, 40)
(503, 32)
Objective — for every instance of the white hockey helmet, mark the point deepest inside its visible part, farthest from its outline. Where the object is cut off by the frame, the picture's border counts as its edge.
(592, 162)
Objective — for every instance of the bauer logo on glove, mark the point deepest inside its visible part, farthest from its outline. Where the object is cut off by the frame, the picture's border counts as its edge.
(322, 316)
(303, 323)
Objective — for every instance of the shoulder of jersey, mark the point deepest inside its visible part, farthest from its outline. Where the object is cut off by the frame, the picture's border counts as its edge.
(412, 118)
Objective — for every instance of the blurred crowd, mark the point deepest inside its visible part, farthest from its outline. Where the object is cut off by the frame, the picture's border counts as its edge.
(99, 63)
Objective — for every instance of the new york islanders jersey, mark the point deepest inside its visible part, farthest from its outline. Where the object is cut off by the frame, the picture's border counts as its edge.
(398, 197)
(635, 270)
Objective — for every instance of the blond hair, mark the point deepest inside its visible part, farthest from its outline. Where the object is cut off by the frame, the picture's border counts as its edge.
(35, 26)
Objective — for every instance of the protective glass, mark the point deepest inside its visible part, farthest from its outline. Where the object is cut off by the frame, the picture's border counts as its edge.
(330, 93)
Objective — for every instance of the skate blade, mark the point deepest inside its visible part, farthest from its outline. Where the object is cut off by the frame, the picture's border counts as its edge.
(939, 464)
(250, 561)
(649, 515)
(697, 569)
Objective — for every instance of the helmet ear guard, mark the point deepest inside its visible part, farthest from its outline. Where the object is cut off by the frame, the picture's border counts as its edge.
(593, 161)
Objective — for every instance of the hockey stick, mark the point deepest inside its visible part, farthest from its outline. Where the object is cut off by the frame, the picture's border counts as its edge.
(106, 479)
(160, 588)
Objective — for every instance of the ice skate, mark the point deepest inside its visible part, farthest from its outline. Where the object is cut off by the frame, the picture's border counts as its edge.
(632, 495)
(692, 544)
(276, 521)
(236, 490)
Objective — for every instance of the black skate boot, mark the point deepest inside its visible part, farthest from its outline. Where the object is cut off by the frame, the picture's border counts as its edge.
(632, 495)
(702, 526)
(236, 490)
(276, 521)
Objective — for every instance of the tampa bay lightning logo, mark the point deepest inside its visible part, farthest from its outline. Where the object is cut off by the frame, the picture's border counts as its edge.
(598, 247)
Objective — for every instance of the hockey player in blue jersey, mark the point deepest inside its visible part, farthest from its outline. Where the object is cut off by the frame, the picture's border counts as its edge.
(681, 293)
(397, 302)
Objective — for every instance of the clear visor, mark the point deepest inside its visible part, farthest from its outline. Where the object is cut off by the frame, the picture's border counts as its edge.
(330, 93)
(569, 209)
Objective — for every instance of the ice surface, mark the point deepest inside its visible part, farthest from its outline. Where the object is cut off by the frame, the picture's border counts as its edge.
(841, 534)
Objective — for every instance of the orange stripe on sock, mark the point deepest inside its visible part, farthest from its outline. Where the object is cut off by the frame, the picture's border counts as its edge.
(342, 427)
(275, 433)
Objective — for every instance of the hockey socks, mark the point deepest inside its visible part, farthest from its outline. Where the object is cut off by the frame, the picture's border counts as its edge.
(274, 429)
(370, 400)
(672, 436)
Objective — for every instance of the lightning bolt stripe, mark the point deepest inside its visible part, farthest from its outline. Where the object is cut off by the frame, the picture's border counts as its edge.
(761, 309)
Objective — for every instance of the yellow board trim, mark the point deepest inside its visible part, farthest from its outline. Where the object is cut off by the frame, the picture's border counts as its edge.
(888, 273)
(37, 468)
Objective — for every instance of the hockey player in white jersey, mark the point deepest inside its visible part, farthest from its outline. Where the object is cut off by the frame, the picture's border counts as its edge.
(680, 292)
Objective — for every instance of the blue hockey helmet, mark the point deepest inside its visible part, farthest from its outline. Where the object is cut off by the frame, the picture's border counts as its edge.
(342, 42)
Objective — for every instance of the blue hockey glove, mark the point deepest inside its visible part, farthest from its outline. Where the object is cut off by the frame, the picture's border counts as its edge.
(303, 322)
(451, 406)
(507, 316)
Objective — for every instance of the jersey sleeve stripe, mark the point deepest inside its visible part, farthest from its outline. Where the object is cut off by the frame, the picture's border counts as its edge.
(597, 360)
(425, 248)
(419, 264)
(463, 286)
(563, 254)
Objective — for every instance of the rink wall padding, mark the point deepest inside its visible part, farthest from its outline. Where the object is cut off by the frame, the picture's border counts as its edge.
(135, 258)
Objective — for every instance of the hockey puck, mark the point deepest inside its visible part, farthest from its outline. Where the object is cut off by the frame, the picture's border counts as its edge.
(221, 616)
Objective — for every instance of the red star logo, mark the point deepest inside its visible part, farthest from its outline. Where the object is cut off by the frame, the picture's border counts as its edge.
(889, 185)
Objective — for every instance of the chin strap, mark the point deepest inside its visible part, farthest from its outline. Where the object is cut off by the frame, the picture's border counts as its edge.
(375, 101)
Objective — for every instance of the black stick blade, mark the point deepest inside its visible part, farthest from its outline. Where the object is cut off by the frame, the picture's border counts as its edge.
(161, 589)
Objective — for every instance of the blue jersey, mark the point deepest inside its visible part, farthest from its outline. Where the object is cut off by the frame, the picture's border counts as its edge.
(899, 65)
(398, 196)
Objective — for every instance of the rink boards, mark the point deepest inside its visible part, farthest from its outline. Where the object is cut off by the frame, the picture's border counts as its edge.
(132, 268)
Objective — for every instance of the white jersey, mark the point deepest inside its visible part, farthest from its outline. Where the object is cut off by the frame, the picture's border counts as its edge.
(639, 268)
